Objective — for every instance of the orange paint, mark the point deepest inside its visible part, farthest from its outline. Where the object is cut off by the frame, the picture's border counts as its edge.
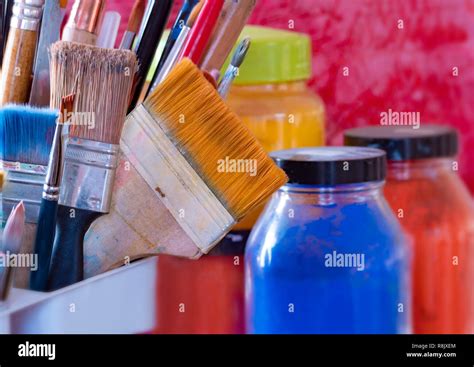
(435, 207)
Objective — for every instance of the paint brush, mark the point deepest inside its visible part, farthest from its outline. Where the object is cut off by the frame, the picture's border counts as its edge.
(232, 19)
(11, 245)
(20, 52)
(2, 177)
(84, 22)
(133, 25)
(173, 56)
(49, 203)
(26, 136)
(104, 80)
(174, 193)
(50, 33)
(201, 32)
(233, 68)
(177, 29)
(148, 44)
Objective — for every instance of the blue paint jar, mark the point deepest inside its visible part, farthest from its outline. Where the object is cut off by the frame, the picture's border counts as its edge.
(328, 255)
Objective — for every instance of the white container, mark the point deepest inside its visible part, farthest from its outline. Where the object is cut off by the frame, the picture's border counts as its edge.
(121, 301)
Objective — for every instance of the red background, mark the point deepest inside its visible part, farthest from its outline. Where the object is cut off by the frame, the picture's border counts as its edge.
(409, 69)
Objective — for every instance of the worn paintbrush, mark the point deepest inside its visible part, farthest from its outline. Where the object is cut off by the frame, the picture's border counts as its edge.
(102, 81)
(26, 136)
(191, 169)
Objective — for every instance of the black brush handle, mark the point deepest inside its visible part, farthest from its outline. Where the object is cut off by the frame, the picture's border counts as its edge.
(149, 44)
(44, 244)
(67, 265)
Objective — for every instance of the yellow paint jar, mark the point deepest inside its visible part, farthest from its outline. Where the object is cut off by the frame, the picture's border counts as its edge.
(271, 96)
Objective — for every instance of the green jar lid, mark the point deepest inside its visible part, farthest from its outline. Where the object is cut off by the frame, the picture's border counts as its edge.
(275, 56)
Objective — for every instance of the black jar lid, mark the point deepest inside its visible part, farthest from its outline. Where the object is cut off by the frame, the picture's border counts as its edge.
(403, 143)
(328, 166)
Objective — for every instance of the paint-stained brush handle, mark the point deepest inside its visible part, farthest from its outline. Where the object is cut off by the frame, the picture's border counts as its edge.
(67, 264)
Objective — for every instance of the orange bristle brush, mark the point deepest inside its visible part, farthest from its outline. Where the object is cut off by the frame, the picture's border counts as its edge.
(191, 169)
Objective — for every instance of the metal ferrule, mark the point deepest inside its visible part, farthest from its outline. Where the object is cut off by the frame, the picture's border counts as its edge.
(27, 14)
(26, 186)
(88, 175)
(53, 176)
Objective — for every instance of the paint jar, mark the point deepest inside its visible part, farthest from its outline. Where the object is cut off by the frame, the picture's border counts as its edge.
(328, 255)
(271, 96)
(435, 207)
(204, 296)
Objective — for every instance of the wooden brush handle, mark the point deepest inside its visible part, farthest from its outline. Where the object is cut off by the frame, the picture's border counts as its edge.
(67, 264)
(231, 21)
(138, 225)
(17, 66)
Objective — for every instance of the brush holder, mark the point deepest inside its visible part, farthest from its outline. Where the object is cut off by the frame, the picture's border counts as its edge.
(121, 301)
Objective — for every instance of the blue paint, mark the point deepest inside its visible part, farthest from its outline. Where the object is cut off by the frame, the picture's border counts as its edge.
(292, 289)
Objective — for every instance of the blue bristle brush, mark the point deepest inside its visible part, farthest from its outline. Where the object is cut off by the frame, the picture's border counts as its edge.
(26, 135)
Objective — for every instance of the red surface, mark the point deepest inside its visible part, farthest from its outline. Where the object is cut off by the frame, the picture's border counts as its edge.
(407, 69)
(200, 297)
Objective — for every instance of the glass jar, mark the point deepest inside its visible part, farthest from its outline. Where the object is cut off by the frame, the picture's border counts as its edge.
(328, 255)
(271, 95)
(435, 207)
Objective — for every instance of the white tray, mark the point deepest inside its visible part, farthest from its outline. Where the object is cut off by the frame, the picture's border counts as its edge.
(119, 301)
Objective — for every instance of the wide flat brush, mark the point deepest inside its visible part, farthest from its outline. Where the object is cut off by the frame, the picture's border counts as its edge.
(49, 203)
(174, 193)
(11, 245)
(102, 81)
(17, 65)
(26, 136)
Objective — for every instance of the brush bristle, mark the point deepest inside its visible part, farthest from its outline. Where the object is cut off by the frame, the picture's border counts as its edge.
(1, 180)
(208, 133)
(26, 134)
(102, 81)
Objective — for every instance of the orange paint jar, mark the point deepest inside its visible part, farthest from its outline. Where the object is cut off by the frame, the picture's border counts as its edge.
(436, 209)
